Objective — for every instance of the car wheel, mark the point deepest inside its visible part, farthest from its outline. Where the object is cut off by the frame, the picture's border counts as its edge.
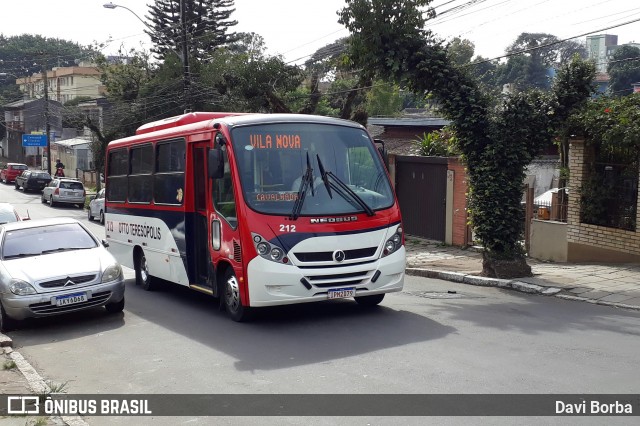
(101, 217)
(42, 199)
(372, 300)
(16, 186)
(6, 323)
(232, 301)
(51, 203)
(89, 215)
(143, 278)
(115, 307)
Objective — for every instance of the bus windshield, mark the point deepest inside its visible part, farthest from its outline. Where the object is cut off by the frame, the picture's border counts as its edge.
(272, 162)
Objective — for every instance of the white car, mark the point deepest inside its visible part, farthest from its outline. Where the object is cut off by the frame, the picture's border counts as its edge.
(96, 207)
(64, 191)
(53, 266)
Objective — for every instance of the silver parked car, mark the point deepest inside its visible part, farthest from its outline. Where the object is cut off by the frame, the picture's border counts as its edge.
(64, 190)
(53, 266)
(96, 206)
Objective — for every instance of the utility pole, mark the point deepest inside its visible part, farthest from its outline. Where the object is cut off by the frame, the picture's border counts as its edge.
(46, 116)
(185, 60)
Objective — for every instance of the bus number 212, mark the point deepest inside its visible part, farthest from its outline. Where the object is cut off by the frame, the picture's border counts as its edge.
(287, 228)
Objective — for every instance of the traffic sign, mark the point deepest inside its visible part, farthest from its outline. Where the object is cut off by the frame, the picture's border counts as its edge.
(34, 140)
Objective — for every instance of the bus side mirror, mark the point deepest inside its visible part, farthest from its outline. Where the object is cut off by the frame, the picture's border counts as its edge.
(216, 164)
(383, 152)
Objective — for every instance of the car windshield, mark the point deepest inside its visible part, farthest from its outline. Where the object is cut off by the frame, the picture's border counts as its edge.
(39, 175)
(272, 161)
(46, 239)
(19, 167)
(7, 215)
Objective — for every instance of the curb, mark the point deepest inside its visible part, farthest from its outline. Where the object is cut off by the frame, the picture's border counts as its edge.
(516, 285)
(35, 381)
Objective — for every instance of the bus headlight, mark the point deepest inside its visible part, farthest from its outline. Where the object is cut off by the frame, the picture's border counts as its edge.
(269, 251)
(276, 254)
(263, 248)
(393, 243)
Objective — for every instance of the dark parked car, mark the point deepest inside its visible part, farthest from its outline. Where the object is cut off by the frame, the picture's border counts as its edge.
(32, 180)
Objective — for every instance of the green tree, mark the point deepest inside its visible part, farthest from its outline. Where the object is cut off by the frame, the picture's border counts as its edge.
(624, 69)
(460, 51)
(495, 143)
(383, 100)
(207, 26)
(541, 53)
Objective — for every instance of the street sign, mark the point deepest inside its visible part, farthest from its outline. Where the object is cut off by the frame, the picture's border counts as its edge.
(34, 140)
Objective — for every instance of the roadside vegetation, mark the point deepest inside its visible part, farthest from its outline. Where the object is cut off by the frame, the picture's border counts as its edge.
(390, 61)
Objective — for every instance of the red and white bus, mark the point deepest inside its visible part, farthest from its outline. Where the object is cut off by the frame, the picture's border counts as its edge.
(256, 209)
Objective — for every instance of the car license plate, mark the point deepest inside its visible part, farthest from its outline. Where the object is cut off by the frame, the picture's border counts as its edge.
(70, 299)
(339, 293)
(40, 181)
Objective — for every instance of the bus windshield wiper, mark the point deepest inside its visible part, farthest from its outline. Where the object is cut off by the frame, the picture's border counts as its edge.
(307, 179)
(338, 186)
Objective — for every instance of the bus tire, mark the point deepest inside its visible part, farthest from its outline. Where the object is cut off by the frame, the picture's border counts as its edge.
(231, 298)
(143, 278)
(372, 300)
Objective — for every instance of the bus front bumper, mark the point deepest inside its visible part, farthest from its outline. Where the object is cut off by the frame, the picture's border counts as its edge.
(272, 284)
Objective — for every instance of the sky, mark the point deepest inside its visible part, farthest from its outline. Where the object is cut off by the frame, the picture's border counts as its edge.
(297, 28)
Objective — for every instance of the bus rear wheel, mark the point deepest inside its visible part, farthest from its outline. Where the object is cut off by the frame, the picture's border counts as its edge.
(143, 278)
(372, 300)
(232, 301)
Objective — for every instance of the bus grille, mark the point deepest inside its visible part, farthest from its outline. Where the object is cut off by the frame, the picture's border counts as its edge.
(46, 308)
(63, 281)
(237, 253)
(333, 280)
(327, 256)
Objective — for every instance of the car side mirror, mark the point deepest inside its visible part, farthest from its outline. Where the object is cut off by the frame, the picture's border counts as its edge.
(215, 164)
(105, 243)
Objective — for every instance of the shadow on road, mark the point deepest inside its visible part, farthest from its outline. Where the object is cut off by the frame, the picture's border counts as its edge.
(278, 337)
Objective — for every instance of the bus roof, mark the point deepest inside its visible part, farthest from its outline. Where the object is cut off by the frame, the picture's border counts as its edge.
(203, 121)
(181, 120)
(247, 118)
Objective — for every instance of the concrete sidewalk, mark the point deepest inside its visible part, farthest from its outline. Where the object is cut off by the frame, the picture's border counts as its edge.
(604, 284)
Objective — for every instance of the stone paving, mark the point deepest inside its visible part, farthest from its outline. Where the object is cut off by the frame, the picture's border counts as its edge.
(601, 283)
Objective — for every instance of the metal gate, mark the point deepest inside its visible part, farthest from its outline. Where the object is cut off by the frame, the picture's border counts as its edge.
(421, 187)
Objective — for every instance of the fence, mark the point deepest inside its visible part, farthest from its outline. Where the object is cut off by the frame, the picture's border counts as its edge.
(552, 205)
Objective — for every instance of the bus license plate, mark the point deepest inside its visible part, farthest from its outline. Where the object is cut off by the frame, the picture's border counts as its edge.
(339, 293)
(71, 299)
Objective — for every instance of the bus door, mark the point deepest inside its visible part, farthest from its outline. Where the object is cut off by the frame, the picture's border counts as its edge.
(200, 236)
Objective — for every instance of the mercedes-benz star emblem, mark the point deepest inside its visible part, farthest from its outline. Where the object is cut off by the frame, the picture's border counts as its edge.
(339, 256)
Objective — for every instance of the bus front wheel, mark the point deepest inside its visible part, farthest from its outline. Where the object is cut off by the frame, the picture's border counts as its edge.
(232, 302)
(143, 278)
(372, 300)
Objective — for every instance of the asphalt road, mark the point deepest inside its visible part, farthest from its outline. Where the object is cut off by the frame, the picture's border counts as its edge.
(422, 340)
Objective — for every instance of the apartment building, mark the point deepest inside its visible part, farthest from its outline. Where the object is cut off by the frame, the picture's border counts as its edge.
(65, 83)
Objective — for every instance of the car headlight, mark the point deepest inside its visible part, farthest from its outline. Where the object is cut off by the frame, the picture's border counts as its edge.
(269, 251)
(21, 288)
(112, 273)
(393, 243)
